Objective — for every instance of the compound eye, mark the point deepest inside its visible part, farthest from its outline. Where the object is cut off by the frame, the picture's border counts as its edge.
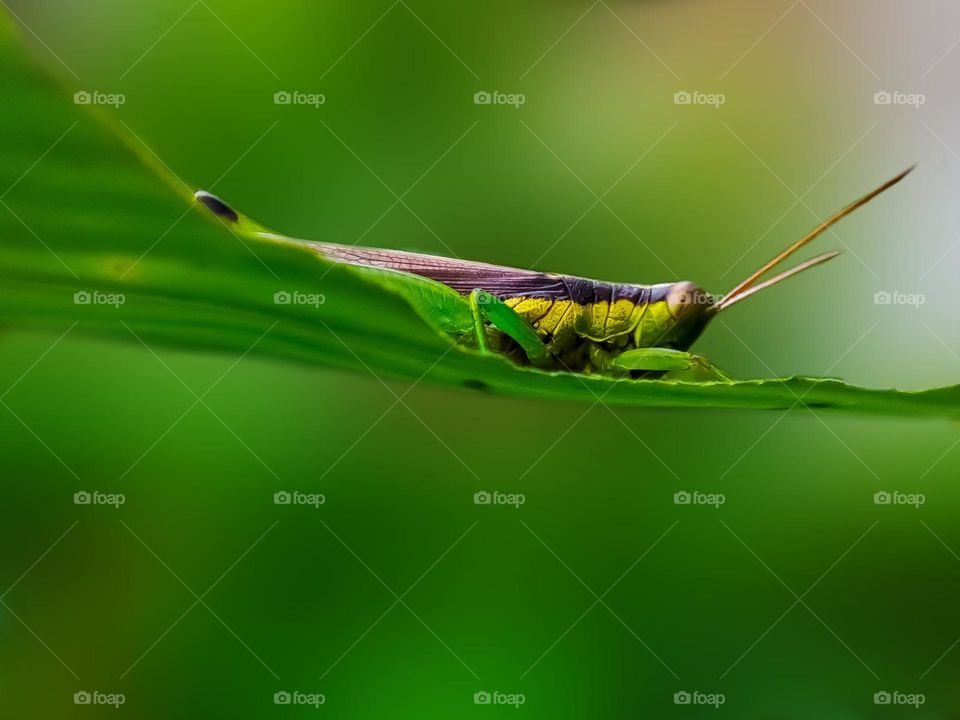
(683, 297)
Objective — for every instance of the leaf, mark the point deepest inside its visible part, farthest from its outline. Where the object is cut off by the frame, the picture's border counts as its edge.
(86, 208)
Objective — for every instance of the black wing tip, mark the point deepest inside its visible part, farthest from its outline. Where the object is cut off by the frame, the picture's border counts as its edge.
(217, 206)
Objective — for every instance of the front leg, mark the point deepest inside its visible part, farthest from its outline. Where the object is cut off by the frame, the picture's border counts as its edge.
(675, 364)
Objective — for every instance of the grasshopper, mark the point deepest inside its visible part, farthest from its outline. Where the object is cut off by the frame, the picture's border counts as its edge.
(564, 322)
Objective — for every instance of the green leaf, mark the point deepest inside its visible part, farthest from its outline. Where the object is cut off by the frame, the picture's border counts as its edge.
(86, 208)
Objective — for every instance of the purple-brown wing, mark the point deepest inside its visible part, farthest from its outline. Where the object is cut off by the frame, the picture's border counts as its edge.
(461, 275)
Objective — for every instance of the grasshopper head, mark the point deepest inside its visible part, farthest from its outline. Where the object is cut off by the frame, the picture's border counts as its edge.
(676, 317)
(689, 308)
(687, 300)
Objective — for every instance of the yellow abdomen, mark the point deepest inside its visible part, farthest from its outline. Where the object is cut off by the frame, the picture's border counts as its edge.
(561, 322)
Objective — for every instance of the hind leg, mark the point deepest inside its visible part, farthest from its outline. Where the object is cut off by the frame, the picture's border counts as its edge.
(487, 308)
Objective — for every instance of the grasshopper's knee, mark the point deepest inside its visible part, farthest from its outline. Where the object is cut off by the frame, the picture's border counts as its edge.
(477, 299)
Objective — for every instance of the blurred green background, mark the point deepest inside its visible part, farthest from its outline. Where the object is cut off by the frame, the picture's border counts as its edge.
(799, 597)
